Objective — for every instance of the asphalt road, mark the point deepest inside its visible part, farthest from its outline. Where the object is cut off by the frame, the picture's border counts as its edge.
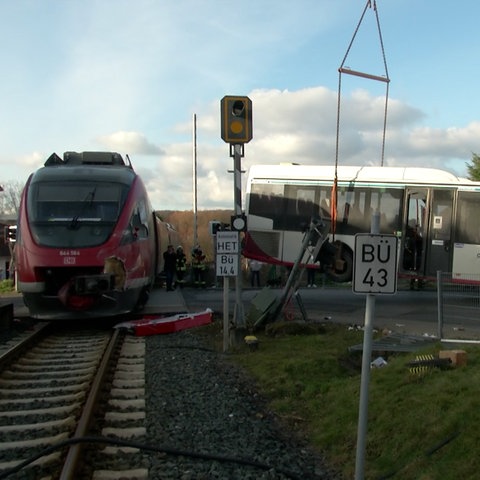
(413, 312)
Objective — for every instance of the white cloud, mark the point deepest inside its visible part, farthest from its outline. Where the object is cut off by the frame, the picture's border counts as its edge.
(300, 126)
(128, 76)
(130, 143)
(289, 126)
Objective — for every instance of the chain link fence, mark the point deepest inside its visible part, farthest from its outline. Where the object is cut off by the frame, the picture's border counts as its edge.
(458, 307)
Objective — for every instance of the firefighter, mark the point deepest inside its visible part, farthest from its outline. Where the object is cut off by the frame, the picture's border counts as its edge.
(199, 267)
(169, 260)
(180, 267)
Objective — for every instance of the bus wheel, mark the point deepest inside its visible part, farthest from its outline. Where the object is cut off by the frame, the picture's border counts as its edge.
(342, 270)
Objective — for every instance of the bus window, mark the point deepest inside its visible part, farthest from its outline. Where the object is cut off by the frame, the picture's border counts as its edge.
(301, 207)
(360, 205)
(467, 228)
(324, 205)
(267, 201)
(390, 204)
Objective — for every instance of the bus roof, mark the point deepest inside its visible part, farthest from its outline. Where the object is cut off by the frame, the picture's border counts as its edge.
(401, 175)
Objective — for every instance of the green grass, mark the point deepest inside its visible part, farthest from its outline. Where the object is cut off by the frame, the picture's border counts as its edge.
(422, 427)
(6, 286)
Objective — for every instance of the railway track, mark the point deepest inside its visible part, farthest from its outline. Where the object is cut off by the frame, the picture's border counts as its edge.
(64, 396)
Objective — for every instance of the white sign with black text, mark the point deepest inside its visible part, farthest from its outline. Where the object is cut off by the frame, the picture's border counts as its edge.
(375, 265)
(228, 249)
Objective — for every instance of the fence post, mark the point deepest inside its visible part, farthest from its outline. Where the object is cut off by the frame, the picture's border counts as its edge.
(439, 305)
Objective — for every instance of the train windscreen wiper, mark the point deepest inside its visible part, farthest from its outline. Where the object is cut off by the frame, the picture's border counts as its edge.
(86, 203)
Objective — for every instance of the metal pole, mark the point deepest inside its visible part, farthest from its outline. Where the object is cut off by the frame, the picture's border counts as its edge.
(195, 220)
(439, 305)
(226, 318)
(239, 318)
(365, 379)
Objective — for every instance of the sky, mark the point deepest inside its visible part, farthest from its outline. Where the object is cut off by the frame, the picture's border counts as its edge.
(131, 75)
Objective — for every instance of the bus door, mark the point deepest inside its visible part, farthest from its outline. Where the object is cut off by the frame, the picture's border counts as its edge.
(440, 251)
(415, 230)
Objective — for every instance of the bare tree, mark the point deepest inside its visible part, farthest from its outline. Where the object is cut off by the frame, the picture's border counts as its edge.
(10, 197)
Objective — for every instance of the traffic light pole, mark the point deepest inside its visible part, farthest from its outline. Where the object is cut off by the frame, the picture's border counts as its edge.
(239, 332)
(236, 129)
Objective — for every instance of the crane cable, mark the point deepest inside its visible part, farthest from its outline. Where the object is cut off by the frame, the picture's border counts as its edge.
(385, 78)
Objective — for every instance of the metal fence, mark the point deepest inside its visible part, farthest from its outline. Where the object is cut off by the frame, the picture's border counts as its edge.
(458, 307)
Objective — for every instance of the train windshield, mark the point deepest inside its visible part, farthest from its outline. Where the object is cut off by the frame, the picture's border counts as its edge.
(69, 214)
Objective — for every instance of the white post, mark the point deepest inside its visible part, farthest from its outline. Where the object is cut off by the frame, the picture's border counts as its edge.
(226, 318)
(239, 317)
(365, 379)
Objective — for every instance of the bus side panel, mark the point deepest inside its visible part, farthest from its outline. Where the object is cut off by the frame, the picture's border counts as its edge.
(466, 249)
(466, 261)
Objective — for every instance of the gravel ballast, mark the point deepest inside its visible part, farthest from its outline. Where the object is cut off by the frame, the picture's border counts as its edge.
(207, 415)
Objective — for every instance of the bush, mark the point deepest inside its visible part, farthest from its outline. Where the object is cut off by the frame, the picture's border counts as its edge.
(6, 286)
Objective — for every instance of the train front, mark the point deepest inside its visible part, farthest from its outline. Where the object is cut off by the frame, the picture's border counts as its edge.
(84, 244)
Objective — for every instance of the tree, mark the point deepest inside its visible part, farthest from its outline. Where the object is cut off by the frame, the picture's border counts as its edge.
(474, 168)
(10, 197)
(183, 223)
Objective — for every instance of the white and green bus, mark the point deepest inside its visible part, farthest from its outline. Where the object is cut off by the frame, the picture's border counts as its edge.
(434, 213)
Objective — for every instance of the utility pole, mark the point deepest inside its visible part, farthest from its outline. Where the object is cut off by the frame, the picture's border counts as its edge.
(195, 219)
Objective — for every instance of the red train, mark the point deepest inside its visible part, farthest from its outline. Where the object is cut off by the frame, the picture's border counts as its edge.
(88, 241)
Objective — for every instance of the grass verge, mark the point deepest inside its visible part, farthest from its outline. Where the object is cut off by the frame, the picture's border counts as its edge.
(421, 426)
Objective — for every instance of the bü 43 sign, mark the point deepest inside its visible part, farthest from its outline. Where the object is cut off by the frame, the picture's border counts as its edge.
(375, 266)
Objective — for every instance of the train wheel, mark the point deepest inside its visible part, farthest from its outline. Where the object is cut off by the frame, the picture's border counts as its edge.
(342, 270)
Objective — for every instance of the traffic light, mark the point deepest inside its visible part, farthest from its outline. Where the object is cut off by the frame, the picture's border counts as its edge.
(10, 233)
(236, 119)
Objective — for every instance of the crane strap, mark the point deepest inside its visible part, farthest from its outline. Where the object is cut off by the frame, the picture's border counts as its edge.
(381, 78)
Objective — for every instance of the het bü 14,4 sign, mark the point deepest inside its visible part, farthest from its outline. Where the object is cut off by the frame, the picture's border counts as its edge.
(228, 249)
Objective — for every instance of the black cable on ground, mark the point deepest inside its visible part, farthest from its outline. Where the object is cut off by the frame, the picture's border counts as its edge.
(167, 450)
(428, 453)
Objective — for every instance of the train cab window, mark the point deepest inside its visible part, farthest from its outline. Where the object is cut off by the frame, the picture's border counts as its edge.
(139, 228)
(77, 214)
(108, 211)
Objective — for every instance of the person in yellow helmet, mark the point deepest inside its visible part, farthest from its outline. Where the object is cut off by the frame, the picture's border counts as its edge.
(199, 267)
(180, 267)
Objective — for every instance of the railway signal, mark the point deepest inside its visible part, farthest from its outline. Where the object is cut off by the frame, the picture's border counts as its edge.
(11, 233)
(236, 129)
(236, 119)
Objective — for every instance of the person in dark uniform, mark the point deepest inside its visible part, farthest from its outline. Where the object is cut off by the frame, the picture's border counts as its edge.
(169, 266)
